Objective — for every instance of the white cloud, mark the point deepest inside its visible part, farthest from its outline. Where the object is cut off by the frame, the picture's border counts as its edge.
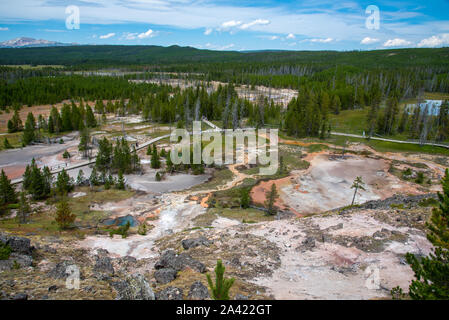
(4, 29)
(216, 47)
(149, 34)
(208, 31)
(261, 22)
(369, 40)
(435, 41)
(230, 24)
(290, 36)
(327, 40)
(107, 36)
(130, 36)
(397, 43)
(343, 21)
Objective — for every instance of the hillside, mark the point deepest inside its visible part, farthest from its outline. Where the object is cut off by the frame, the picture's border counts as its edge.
(139, 55)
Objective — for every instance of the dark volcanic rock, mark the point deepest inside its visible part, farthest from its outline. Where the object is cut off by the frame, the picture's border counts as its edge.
(103, 266)
(198, 291)
(196, 242)
(169, 259)
(165, 275)
(61, 270)
(17, 244)
(170, 293)
(134, 287)
(21, 252)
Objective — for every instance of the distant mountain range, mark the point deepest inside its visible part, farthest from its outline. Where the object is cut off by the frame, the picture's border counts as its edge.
(25, 42)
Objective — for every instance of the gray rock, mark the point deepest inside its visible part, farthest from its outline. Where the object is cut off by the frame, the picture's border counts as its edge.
(134, 287)
(165, 275)
(17, 244)
(170, 293)
(20, 296)
(198, 291)
(103, 266)
(308, 243)
(60, 271)
(239, 296)
(169, 259)
(196, 242)
(14, 259)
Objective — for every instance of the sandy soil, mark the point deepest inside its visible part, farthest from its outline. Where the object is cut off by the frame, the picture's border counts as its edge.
(332, 270)
(327, 183)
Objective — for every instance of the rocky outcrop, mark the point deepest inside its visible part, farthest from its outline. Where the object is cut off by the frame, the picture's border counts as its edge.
(170, 293)
(17, 244)
(21, 252)
(165, 275)
(61, 270)
(198, 291)
(169, 259)
(134, 287)
(103, 268)
(196, 242)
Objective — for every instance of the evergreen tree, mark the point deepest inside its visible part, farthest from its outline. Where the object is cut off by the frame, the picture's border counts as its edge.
(48, 180)
(15, 124)
(64, 216)
(104, 155)
(244, 198)
(220, 291)
(120, 181)
(271, 197)
(66, 118)
(7, 192)
(28, 132)
(36, 182)
(122, 157)
(91, 122)
(24, 208)
(64, 183)
(432, 272)
(6, 144)
(80, 178)
(84, 145)
(93, 179)
(155, 161)
(55, 120)
(357, 184)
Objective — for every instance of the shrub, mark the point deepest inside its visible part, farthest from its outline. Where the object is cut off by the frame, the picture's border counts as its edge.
(5, 251)
(420, 178)
(122, 230)
(142, 229)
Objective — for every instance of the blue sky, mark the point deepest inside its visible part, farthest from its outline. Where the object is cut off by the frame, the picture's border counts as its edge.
(232, 25)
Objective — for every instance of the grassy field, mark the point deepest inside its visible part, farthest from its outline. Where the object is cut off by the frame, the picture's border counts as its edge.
(384, 146)
(220, 177)
(349, 121)
(43, 220)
